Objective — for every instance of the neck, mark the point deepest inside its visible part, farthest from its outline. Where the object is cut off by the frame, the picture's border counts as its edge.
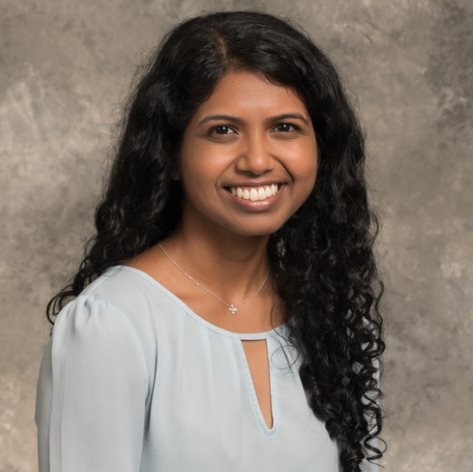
(231, 265)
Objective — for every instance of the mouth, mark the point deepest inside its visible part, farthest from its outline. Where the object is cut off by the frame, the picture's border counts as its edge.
(255, 193)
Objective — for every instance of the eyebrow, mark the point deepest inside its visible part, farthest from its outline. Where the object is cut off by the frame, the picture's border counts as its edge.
(236, 120)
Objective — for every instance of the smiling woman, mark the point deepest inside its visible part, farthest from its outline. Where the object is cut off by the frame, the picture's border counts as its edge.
(225, 316)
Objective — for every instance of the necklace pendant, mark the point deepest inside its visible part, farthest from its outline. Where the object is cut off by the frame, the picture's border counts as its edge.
(233, 309)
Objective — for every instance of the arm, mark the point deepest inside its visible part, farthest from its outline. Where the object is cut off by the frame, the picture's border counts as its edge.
(91, 392)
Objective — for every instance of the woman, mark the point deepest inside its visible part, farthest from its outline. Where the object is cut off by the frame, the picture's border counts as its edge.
(225, 316)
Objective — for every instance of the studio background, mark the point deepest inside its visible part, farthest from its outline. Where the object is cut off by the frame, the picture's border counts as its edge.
(65, 70)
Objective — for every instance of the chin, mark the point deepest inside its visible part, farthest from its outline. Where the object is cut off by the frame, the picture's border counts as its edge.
(256, 230)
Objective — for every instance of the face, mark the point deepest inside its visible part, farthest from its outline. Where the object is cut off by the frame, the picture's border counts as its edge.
(248, 159)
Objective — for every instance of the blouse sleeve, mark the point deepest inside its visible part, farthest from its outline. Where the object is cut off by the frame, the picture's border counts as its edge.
(91, 392)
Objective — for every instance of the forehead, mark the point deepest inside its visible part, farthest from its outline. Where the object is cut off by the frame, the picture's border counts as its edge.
(242, 92)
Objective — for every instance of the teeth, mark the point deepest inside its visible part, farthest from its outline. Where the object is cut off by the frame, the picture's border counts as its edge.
(255, 193)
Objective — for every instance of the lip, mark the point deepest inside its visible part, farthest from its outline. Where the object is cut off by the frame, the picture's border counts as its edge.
(257, 205)
(256, 184)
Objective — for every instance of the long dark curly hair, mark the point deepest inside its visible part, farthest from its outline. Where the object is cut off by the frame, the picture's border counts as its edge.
(322, 259)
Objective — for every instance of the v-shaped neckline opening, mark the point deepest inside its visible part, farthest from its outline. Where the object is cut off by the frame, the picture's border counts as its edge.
(258, 410)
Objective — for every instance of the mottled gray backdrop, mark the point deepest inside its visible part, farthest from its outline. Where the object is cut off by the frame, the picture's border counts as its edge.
(65, 68)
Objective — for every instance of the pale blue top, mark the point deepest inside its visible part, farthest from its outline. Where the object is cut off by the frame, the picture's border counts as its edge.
(133, 380)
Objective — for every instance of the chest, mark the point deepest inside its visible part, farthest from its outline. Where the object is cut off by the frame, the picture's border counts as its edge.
(233, 402)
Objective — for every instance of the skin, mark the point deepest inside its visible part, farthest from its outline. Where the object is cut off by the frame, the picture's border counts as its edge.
(220, 244)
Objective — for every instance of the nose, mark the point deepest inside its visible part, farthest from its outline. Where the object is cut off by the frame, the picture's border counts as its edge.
(255, 156)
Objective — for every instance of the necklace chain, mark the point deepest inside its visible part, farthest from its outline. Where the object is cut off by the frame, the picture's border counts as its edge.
(232, 308)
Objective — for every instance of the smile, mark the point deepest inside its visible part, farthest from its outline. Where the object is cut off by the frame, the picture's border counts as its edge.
(252, 199)
(255, 193)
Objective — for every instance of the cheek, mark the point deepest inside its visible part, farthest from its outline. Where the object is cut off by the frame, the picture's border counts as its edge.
(196, 166)
(310, 181)
(308, 175)
(314, 169)
(203, 165)
(200, 182)
(305, 164)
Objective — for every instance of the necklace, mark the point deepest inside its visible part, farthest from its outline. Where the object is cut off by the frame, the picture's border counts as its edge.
(232, 308)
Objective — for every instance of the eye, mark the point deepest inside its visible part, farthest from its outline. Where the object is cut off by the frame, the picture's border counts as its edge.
(221, 130)
(286, 127)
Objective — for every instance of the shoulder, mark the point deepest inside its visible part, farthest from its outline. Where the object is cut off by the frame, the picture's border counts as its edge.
(118, 307)
(122, 287)
(132, 292)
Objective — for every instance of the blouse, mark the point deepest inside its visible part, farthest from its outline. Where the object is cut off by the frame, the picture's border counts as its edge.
(133, 380)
